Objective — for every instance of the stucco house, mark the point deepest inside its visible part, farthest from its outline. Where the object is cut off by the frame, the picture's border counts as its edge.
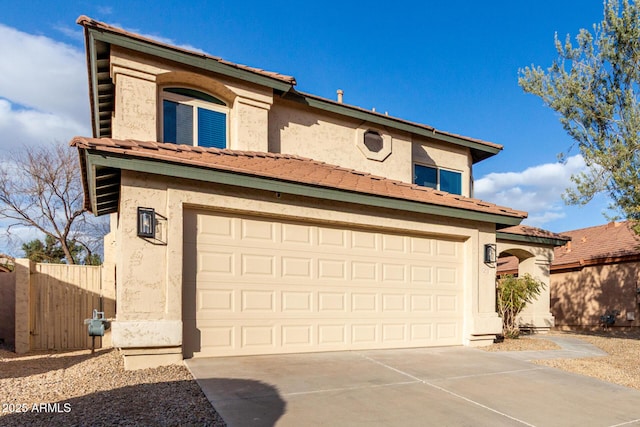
(596, 273)
(250, 218)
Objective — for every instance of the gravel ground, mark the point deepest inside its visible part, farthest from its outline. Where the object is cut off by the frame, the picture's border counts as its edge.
(619, 367)
(95, 390)
(523, 344)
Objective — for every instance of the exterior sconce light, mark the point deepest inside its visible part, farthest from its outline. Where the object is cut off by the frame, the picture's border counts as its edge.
(490, 253)
(146, 222)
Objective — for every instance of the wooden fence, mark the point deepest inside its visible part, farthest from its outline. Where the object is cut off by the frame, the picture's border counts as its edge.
(7, 307)
(52, 302)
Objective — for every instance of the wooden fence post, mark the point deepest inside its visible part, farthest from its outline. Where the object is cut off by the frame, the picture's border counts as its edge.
(23, 316)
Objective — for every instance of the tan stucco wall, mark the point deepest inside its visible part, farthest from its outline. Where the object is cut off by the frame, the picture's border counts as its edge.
(579, 298)
(536, 261)
(149, 272)
(258, 121)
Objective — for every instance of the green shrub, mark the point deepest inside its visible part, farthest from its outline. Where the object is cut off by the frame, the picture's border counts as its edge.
(513, 295)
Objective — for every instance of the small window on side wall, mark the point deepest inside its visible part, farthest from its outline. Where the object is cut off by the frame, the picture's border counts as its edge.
(192, 117)
(436, 178)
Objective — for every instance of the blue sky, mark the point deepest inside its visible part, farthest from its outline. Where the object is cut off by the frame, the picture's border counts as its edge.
(453, 65)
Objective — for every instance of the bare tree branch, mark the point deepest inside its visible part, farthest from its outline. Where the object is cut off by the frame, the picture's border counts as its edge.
(40, 187)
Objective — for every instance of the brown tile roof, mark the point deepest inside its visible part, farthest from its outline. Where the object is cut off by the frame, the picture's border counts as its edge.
(290, 168)
(525, 230)
(507, 265)
(599, 244)
(85, 21)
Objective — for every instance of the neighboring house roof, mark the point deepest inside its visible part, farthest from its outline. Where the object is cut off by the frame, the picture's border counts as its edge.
(603, 244)
(507, 265)
(100, 36)
(281, 168)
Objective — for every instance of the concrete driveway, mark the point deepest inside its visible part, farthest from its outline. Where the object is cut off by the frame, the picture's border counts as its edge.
(452, 386)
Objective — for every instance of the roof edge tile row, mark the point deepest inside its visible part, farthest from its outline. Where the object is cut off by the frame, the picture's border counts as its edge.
(290, 168)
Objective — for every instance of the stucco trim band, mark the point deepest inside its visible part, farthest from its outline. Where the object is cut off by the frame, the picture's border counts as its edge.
(146, 333)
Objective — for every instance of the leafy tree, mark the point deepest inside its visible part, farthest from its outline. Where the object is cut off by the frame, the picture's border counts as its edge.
(40, 187)
(594, 87)
(514, 293)
(50, 251)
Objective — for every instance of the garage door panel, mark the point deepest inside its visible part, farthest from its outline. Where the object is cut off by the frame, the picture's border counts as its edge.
(255, 337)
(218, 297)
(264, 286)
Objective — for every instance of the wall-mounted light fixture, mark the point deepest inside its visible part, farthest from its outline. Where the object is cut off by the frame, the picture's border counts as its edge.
(490, 253)
(146, 222)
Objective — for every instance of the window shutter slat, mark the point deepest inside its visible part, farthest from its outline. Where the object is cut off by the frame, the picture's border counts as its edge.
(212, 128)
(184, 120)
(169, 115)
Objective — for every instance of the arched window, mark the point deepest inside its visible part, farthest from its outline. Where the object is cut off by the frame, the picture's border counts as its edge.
(192, 117)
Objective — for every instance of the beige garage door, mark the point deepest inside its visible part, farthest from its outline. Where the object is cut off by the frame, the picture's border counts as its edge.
(261, 286)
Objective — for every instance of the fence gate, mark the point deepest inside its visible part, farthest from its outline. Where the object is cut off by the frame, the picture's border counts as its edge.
(61, 297)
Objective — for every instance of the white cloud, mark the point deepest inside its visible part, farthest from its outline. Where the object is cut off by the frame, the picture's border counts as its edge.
(537, 190)
(43, 90)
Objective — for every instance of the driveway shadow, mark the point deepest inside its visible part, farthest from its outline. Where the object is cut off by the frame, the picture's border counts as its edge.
(246, 402)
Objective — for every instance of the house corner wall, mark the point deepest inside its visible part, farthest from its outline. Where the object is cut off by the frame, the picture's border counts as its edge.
(148, 326)
(482, 321)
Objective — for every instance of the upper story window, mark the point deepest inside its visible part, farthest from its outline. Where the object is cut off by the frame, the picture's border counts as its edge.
(192, 117)
(440, 179)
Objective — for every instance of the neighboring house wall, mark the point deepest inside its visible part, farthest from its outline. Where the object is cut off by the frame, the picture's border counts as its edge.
(260, 122)
(579, 297)
(7, 307)
(150, 313)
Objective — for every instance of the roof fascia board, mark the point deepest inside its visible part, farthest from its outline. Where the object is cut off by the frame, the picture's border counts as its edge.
(90, 170)
(530, 239)
(93, 82)
(260, 183)
(385, 121)
(188, 59)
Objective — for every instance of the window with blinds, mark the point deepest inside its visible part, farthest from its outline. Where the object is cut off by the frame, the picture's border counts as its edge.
(192, 117)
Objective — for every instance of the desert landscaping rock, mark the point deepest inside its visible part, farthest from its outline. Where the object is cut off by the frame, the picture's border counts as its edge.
(95, 390)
